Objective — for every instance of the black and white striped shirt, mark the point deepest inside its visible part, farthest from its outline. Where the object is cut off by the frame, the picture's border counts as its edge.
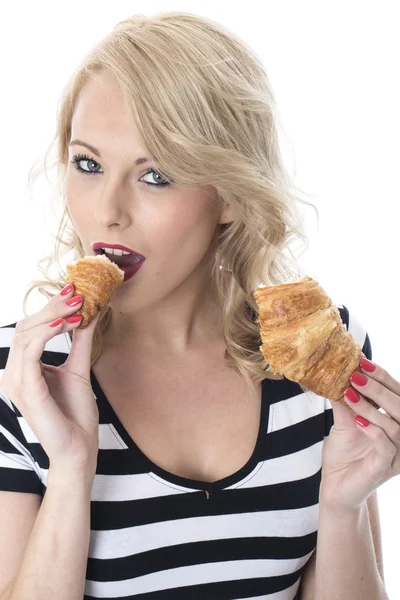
(157, 536)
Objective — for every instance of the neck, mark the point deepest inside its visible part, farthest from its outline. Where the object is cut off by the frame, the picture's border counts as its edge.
(187, 319)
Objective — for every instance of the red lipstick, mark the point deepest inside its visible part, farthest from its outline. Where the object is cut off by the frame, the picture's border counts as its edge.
(128, 263)
(98, 245)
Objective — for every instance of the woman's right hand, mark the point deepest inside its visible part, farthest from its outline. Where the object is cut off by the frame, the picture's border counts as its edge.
(57, 402)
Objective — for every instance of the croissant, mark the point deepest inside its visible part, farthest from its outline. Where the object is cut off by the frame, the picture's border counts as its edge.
(95, 278)
(304, 338)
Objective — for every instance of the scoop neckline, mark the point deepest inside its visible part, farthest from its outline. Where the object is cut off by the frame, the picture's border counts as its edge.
(185, 482)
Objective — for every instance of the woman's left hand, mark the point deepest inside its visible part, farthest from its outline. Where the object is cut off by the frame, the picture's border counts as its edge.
(357, 460)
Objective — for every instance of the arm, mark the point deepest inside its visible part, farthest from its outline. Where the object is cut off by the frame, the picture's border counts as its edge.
(373, 511)
(55, 559)
(346, 563)
(307, 584)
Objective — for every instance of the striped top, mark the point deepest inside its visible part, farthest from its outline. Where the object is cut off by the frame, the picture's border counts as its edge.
(157, 536)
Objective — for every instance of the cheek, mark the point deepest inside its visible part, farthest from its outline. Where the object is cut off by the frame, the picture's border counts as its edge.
(75, 206)
(188, 229)
(71, 194)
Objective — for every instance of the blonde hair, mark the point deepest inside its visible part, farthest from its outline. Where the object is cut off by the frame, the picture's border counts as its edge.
(204, 107)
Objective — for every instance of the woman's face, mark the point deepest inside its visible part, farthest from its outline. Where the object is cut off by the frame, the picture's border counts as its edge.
(173, 227)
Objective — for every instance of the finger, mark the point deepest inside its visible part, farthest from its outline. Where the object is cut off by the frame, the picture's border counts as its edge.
(24, 371)
(343, 416)
(26, 351)
(363, 408)
(376, 372)
(54, 309)
(373, 390)
(79, 357)
(385, 452)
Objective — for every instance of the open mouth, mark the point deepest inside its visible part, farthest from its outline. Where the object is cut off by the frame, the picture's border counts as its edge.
(126, 260)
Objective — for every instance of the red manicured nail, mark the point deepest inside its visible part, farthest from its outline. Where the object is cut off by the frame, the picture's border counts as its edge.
(56, 322)
(74, 319)
(68, 288)
(358, 378)
(352, 395)
(74, 301)
(367, 365)
(361, 421)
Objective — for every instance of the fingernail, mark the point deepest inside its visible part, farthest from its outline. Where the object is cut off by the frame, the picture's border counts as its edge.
(74, 301)
(361, 421)
(74, 319)
(68, 288)
(358, 378)
(56, 322)
(352, 395)
(367, 365)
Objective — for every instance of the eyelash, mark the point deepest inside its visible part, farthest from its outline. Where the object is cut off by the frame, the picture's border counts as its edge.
(79, 157)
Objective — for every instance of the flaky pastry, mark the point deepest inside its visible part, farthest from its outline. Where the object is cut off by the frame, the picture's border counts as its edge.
(95, 278)
(304, 338)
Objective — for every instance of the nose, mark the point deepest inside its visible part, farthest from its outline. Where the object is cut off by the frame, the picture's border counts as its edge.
(112, 209)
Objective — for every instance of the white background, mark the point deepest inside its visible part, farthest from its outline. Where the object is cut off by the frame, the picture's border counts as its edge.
(334, 68)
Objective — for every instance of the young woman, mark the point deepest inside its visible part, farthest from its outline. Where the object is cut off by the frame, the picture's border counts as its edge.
(152, 455)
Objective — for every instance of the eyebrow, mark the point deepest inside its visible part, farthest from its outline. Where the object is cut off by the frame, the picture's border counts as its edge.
(77, 142)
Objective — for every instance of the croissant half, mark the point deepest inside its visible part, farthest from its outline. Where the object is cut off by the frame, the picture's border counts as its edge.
(95, 278)
(304, 338)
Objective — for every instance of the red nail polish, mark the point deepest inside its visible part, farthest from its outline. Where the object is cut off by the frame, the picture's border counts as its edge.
(74, 301)
(73, 319)
(358, 378)
(66, 290)
(367, 365)
(352, 395)
(56, 322)
(361, 421)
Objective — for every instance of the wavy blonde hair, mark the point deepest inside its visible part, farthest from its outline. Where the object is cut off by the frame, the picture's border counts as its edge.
(204, 107)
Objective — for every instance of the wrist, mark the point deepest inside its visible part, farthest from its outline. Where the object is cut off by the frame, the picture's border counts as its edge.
(343, 513)
(328, 500)
(71, 477)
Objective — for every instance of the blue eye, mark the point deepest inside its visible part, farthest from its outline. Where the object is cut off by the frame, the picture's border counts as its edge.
(78, 158)
(155, 174)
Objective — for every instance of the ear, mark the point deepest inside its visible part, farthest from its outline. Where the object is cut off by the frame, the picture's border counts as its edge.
(228, 214)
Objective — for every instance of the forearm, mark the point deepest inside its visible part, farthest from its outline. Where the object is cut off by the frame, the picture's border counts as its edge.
(55, 560)
(345, 560)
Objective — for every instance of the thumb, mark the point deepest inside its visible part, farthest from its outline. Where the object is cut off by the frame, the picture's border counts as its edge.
(79, 357)
(343, 416)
